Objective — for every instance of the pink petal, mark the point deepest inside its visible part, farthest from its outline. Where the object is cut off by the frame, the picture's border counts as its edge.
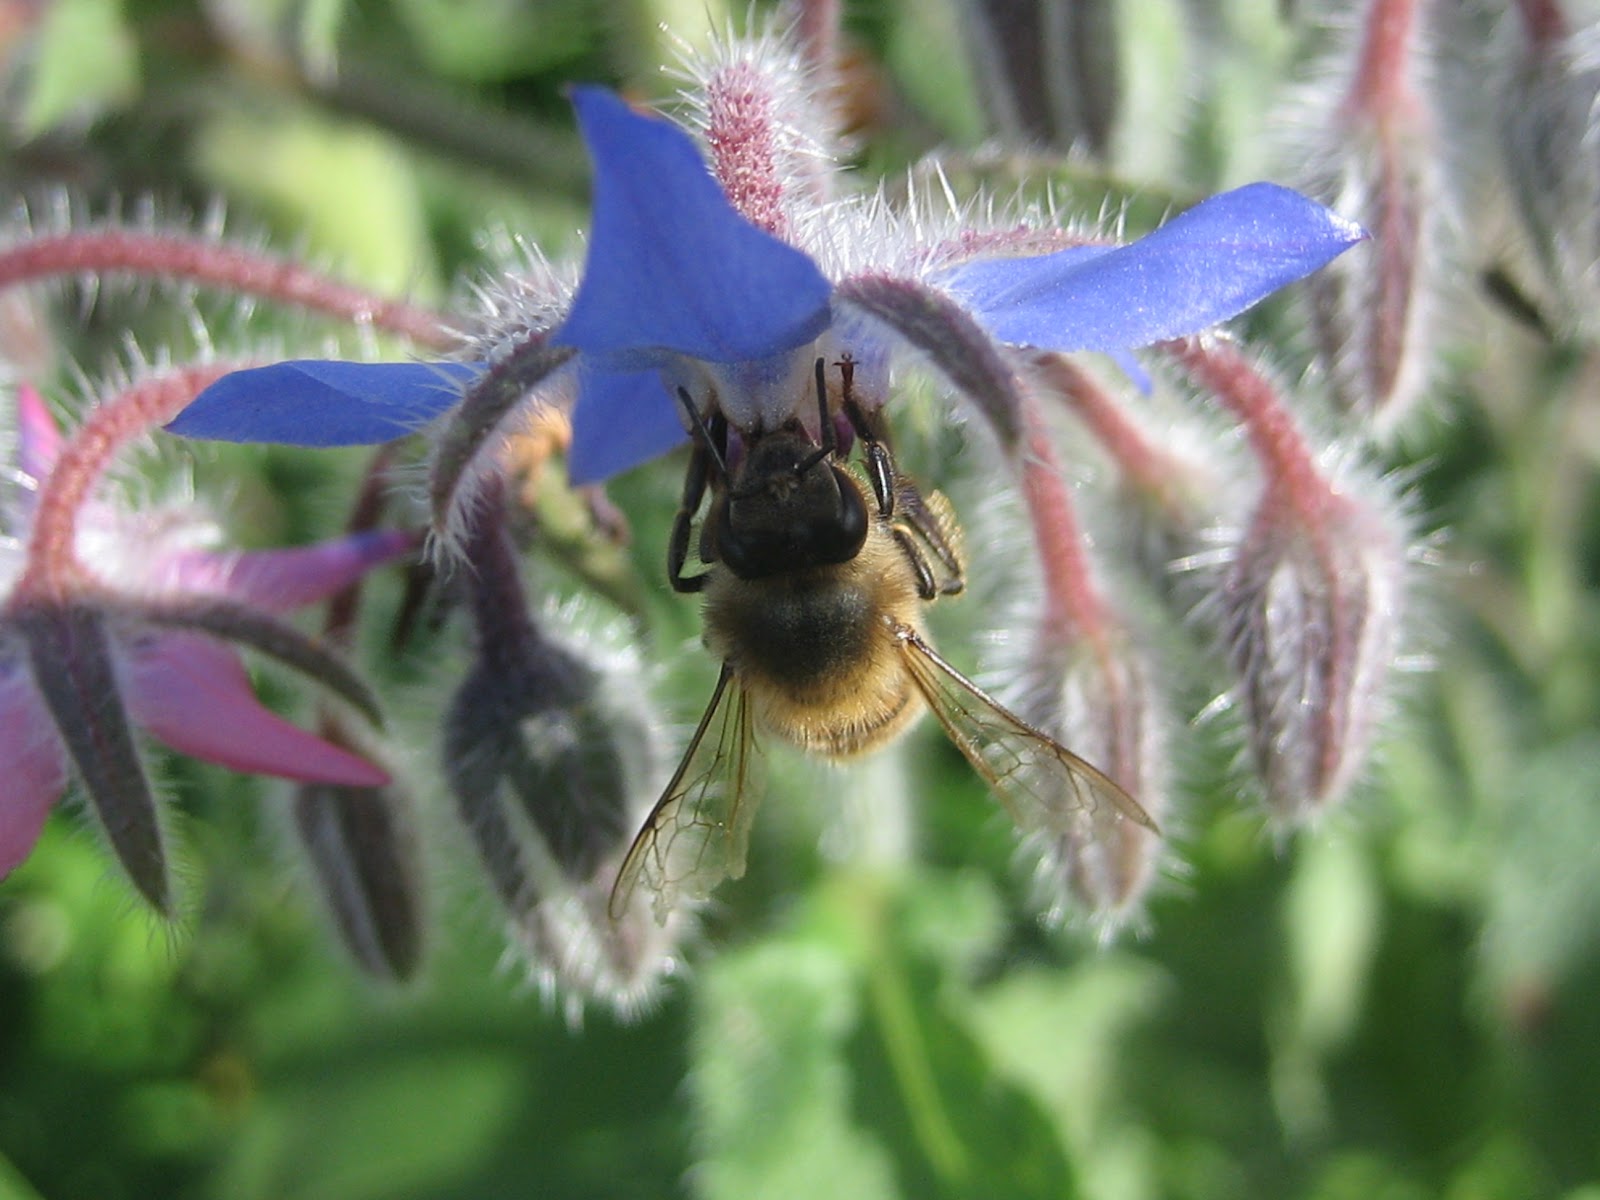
(35, 769)
(38, 438)
(194, 695)
(281, 580)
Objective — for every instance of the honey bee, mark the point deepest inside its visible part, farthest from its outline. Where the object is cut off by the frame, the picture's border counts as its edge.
(813, 602)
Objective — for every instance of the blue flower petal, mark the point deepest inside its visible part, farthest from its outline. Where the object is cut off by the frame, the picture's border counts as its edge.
(1204, 266)
(315, 402)
(672, 266)
(622, 419)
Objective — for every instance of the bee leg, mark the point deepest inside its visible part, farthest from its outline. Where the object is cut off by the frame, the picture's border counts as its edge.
(880, 469)
(880, 463)
(920, 523)
(874, 439)
(927, 586)
(702, 458)
(934, 527)
(678, 552)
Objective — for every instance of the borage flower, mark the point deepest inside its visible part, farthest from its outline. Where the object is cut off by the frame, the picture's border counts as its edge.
(115, 620)
(718, 291)
(682, 290)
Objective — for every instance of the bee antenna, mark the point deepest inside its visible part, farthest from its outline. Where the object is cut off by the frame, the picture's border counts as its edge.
(701, 432)
(829, 436)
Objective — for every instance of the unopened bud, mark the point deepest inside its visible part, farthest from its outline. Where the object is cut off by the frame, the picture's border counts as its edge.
(1310, 616)
(549, 761)
(1372, 152)
(1550, 142)
(1098, 702)
(366, 858)
(71, 658)
(1309, 607)
(1049, 72)
(524, 729)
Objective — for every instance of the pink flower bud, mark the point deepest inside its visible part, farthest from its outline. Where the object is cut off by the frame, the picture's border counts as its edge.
(1309, 607)
(1098, 700)
(1372, 152)
(1310, 618)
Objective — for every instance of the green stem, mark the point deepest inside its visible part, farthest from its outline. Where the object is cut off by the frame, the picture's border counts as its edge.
(895, 1015)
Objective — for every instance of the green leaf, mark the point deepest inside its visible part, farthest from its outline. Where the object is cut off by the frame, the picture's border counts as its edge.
(382, 1126)
(770, 1082)
(351, 191)
(1543, 905)
(320, 23)
(491, 40)
(12, 1185)
(1062, 1036)
(926, 1084)
(925, 50)
(87, 62)
(1331, 921)
(1331, 915)
(1360, 1175)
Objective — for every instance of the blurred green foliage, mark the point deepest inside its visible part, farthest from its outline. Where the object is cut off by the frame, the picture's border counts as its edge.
(1398, 1005)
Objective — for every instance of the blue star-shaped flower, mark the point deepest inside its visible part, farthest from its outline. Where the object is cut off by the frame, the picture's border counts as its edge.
(680, 289)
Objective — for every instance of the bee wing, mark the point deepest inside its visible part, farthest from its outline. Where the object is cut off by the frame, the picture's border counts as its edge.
(1044, 786)
(695, 836)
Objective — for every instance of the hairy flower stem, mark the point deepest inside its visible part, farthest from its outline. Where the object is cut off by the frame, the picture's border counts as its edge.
(1072, 601)
(1293, 482)
(344, 606)
(53, 566)
(236, 270)
(499, 601)
(1381, 84)
(1384, 109)
(1149, 470)
(1076, 616)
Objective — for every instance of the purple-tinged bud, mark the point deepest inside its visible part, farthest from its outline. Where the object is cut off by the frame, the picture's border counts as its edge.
(1048, 71)
(1084, 686)
(70, 655)
(548, 762)
(366, 858)
(1309, 607)
(1309, 612)
(1549, 135)
(362, 842)
(1374, 155)
(525, 734)
(1098, 700)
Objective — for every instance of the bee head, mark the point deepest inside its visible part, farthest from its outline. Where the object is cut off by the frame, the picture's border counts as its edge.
(791, 507)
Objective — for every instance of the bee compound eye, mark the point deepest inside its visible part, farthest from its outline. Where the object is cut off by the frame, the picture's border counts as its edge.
(841, 540)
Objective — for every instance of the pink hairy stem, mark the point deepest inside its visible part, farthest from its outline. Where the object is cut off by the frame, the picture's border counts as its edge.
(53, 566)
(214, 264)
